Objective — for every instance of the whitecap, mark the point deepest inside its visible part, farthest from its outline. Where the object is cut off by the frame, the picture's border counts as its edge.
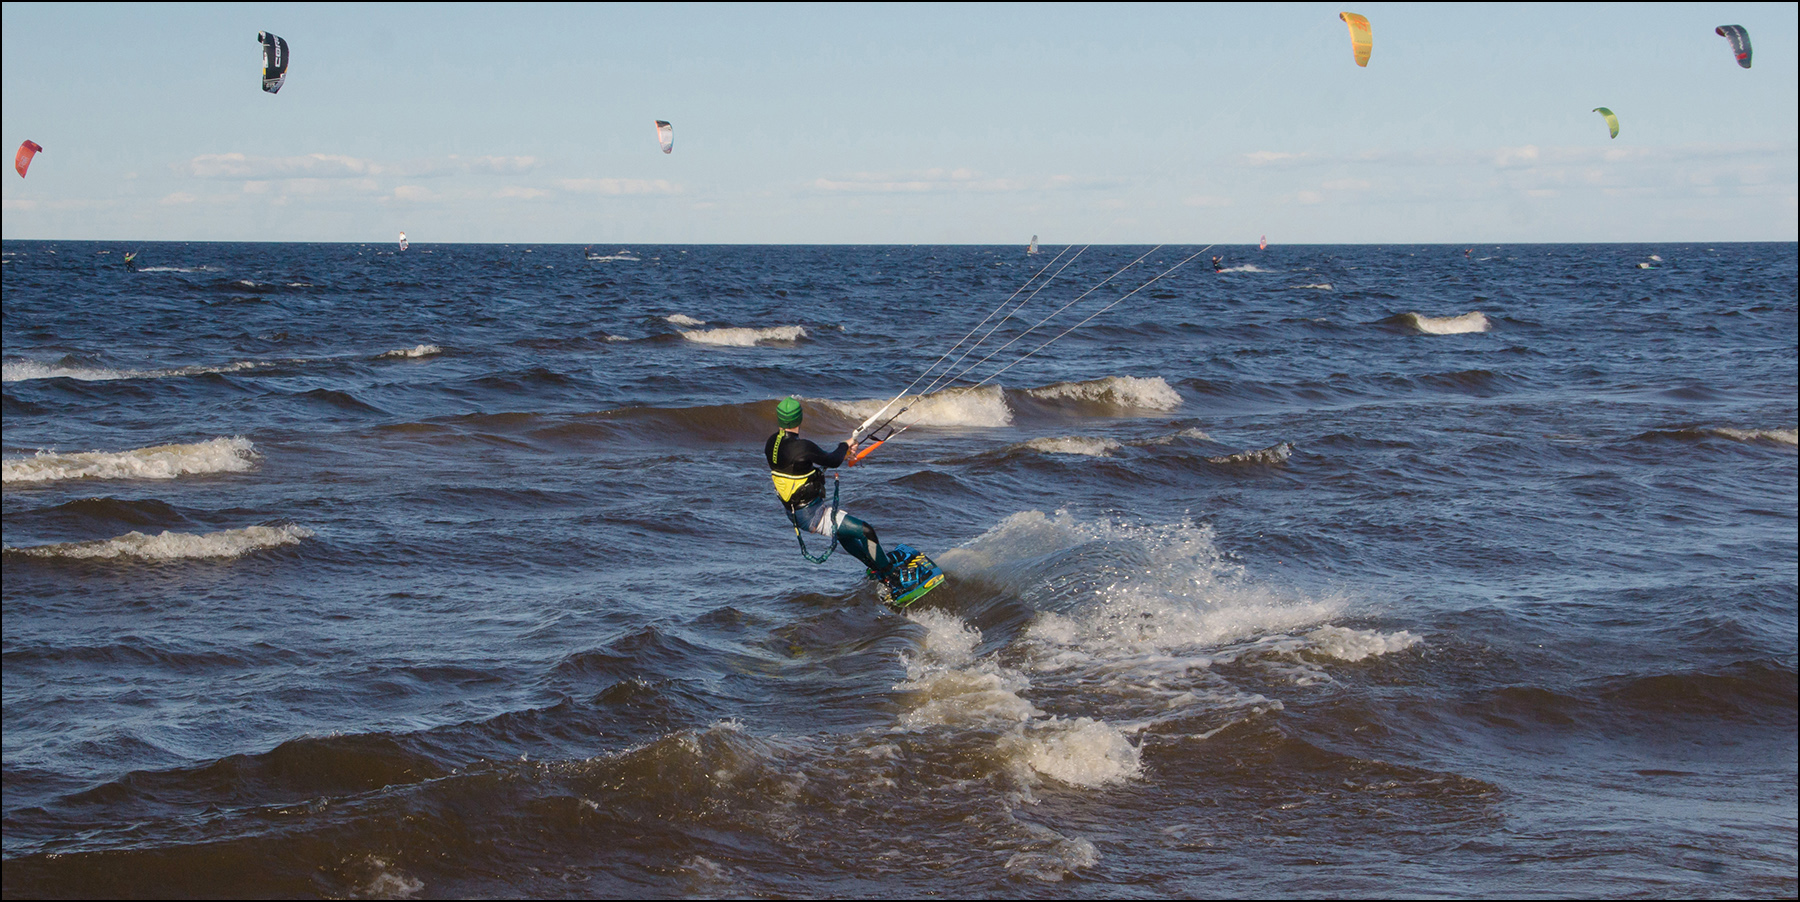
(1074, 444)
(22, 370)
(1778, 436)
(982, 406)
(221, 455)
(947, 685)
(1354, 645)
(1473, 321)
(173, 546)
(745, 337)
(682, 319)
(1273, 455)
(416, 351)
(1129, 392)
(1136, 616)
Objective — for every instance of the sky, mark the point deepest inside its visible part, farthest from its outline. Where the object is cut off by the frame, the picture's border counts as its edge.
(901, 124)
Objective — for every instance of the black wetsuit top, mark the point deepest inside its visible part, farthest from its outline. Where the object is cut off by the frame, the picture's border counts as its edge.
(796, 456)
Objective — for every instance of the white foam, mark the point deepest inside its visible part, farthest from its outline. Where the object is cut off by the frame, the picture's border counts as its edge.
(1247, 267)
(416, 351)
(745, 338)
(1779, 436)
(1354, 645)
(948, 686)
(381, 879)
(1322, 286)
(174, 546)
(1079, 752)
(682, 319)
(22, 370)
(1188, 433)
(1074, 444)
(1473, 321)
(1120, 391)
(1049, 862)
(983, 406)
(1273, 455)
(1134, 615)
(221, 455)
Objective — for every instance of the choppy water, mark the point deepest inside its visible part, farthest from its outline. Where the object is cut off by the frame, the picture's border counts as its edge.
(1347, 572)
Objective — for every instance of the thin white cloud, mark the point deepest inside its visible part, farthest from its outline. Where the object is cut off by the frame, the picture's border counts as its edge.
(330, 165)
(1277, 158)
(942, 181)
(312, 165)
(1511, 157)
(618, 186)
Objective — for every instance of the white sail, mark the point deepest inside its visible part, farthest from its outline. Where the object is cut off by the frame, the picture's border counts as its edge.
(403, 241)
(1033, 248)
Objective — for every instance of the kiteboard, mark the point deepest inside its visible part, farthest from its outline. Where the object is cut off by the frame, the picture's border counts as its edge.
(913, 575)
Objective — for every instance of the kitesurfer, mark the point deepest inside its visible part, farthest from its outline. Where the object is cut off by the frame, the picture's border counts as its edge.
(1218, 264)
(131, 261)
(798, 467)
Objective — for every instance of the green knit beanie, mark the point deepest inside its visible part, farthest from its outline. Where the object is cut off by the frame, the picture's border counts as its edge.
(787, 413)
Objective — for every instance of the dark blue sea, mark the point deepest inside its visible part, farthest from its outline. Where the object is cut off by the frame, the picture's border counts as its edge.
(336, 570)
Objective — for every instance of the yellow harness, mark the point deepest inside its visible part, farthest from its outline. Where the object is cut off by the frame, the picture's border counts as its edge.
(787, 485)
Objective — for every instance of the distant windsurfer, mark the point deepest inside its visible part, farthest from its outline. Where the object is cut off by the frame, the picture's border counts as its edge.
(131, 261)
(798, 467)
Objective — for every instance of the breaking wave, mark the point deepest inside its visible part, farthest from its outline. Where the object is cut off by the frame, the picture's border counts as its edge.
(416, 351)
(221, 455)
(22, 370)
(1129, 392)
(1136, 617)
(744, 337)
(1473, 321)
(948, 684)
(173, 546)
(1074, 444)
(1273, 455)
(1778, 436)
(989, 405)
(983, 406)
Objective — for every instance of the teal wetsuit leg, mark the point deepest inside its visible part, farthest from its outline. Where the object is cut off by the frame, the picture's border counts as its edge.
(859, 539)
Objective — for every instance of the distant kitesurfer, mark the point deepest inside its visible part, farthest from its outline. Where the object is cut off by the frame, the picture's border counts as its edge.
(798, 467)
(1218, 264)
(131, 261)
